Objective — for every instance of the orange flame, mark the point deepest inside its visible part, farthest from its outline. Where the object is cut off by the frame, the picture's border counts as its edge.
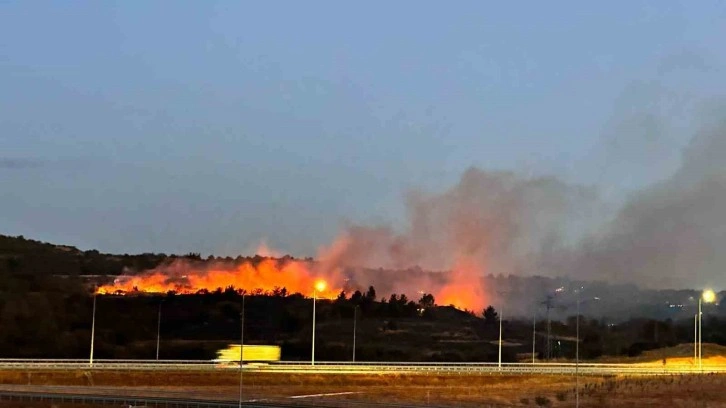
(464, 289)
(185, 277)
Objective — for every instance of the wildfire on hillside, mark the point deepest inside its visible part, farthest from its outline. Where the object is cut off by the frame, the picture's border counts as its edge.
(459, 287)
(463, 289)
(267, 276)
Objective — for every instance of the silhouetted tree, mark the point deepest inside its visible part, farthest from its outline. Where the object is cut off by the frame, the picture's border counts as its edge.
(490, 315)
(427, 300)
(371, 294)
(356, 297)
(341, 302)
(279, 292)
(230, 291)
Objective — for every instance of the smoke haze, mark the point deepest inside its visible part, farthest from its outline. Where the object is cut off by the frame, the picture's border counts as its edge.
(672, 233)
(669, 234)
(667, 230)
(489, 223)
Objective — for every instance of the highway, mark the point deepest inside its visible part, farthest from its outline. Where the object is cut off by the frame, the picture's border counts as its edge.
(125, 397)
(363, 367)
(127, 401)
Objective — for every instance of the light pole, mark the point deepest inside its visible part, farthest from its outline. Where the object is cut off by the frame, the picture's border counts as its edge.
(695, 339)
(355, 320)
(93, 328)
(577, 352)
(707, 296)
(241, 346)
(577, 345)
(501, 314)
(158, 329)
(500, 340)
(534, 334)
(700, 334)
(319, 286)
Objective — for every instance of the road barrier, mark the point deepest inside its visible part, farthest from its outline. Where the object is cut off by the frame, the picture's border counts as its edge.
(362, 367)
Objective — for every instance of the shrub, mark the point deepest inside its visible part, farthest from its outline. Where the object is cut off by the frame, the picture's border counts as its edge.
(542, 401)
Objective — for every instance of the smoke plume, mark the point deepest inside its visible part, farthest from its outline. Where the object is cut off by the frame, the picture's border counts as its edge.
(671, 233)
(489, 223)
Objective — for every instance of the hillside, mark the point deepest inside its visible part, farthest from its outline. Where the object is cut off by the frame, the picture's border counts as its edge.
(18, 254)
(526, 297)
(45, 294)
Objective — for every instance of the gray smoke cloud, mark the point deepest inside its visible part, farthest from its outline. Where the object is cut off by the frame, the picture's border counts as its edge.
(672, 233)
(489, 223)
(668, 234)
(656, 215)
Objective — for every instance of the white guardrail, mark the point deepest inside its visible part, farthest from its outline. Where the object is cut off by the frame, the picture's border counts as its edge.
(360, 367)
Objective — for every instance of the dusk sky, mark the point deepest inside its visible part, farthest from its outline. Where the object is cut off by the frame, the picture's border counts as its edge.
(210, 127)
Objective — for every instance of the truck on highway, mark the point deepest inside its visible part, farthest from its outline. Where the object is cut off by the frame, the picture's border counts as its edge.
(251, 354)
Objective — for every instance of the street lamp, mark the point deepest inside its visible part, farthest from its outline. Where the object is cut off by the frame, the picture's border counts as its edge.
(695, 339)
(241, 346)
(158, 330)
(577, 351)
(355, 321)
(319, 287)
(708, 296)
(499, 364)
(93, 328)
(500, 340)
(534, 334)
(577, 345)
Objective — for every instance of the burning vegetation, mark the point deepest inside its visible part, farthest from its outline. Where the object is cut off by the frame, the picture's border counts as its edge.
(503, 223)
(285, 276)
(267, 275)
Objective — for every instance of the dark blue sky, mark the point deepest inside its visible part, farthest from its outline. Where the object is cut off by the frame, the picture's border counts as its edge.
(210, 126)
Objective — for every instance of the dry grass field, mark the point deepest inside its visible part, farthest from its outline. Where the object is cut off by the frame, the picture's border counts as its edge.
(451, 390)
(381, 390)
(420, 389)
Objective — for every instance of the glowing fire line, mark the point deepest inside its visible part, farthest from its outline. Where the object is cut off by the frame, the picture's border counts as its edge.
(270, 276)
(184, 277)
